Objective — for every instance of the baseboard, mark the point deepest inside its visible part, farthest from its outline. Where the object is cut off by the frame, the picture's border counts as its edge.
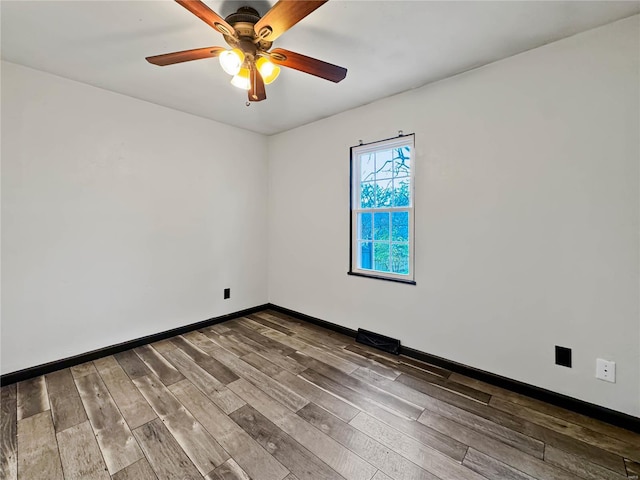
(45, 368)
(603, 414)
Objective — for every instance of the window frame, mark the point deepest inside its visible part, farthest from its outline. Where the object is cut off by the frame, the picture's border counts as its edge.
(355, 183)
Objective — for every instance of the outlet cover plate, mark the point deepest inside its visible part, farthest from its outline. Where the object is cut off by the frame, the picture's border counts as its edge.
(606, 370)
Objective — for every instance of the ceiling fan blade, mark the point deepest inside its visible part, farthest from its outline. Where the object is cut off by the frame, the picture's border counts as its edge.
(208, 16)
(284, 15)
(185, 56)
(310, 65)
(257, 92)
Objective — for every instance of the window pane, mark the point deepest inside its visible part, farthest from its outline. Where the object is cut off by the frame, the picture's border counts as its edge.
(384, 193)
(400, 258)
(365, 255)
(402, 193)
(381, 226)
(401, 161)
(400, 226)
(381, 256)
(367, 195)
(367, 166)
(364, 226)
(384, 164)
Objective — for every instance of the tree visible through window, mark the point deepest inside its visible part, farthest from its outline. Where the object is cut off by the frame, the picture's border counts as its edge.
(382, 209)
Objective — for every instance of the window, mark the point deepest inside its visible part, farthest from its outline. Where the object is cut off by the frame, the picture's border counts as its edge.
(382, 215)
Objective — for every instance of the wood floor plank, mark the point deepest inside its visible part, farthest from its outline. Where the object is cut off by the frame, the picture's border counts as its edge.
(38, 457)
(66, 407)
(131, 364)
(205, 453)
(579, 466)
(382, 370)
(381, 476)
(633, 468)
(262, 364)
(158, 365)
(492, 468)
(430, 460)
(8, 432)
(241, 341)
(598, 439)
(269, 324)
(508, 455)
(287, 397)
(141, 470)
(545, 435)
(32, 397)
(382, 397)
(219, 328)
(245, 450)
(388, 461)
(396, 388)
(209, 385)
(283, 362)
(506, 435)
(80, 455)
(116, 442)
(134, 408)
(229, 342)
(229, 470)
(300, 461)
(312, 393)
(353, 397)
(214, 367)
(310, 404)
(543, 407)
(167, 459)
(395, 361)
(443, 383)
(83, 369)
(339, 458)
(420, 432)
(324, 356)
(243, 327)
(163, 346)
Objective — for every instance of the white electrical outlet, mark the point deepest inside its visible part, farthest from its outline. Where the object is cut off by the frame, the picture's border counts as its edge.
(606, 370)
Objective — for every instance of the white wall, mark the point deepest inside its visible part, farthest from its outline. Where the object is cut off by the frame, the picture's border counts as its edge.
(527, 217)
(120, 218)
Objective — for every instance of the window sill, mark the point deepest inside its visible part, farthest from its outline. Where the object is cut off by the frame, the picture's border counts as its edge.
(379, 277)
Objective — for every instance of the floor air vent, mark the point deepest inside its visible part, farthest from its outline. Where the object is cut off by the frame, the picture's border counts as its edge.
(378, 341)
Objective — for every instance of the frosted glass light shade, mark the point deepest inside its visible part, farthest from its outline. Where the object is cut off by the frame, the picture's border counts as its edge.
(241, 80)
(267, 69)
(231, 61)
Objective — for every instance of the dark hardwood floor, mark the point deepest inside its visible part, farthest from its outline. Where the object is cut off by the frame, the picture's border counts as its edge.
(267, 397)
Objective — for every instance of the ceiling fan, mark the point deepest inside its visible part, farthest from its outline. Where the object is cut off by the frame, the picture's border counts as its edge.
(250, 38)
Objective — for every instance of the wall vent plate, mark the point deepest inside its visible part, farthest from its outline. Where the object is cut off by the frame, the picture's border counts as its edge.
(375, 340)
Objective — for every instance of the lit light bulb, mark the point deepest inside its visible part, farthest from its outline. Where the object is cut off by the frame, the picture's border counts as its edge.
(241, 80)
(268, 71)
(231, 61)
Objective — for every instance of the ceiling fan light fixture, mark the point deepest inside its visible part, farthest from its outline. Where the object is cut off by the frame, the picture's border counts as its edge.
(241, 80)
(267, 69)
(231, 60)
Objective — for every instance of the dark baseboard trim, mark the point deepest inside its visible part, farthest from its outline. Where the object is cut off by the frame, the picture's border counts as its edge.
(578, 406)
(45, 368)
(316, 321)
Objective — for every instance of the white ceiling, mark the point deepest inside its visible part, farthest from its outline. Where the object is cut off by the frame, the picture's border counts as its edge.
(387, 46)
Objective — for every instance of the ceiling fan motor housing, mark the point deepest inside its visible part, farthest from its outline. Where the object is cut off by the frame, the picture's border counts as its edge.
(243, 21)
